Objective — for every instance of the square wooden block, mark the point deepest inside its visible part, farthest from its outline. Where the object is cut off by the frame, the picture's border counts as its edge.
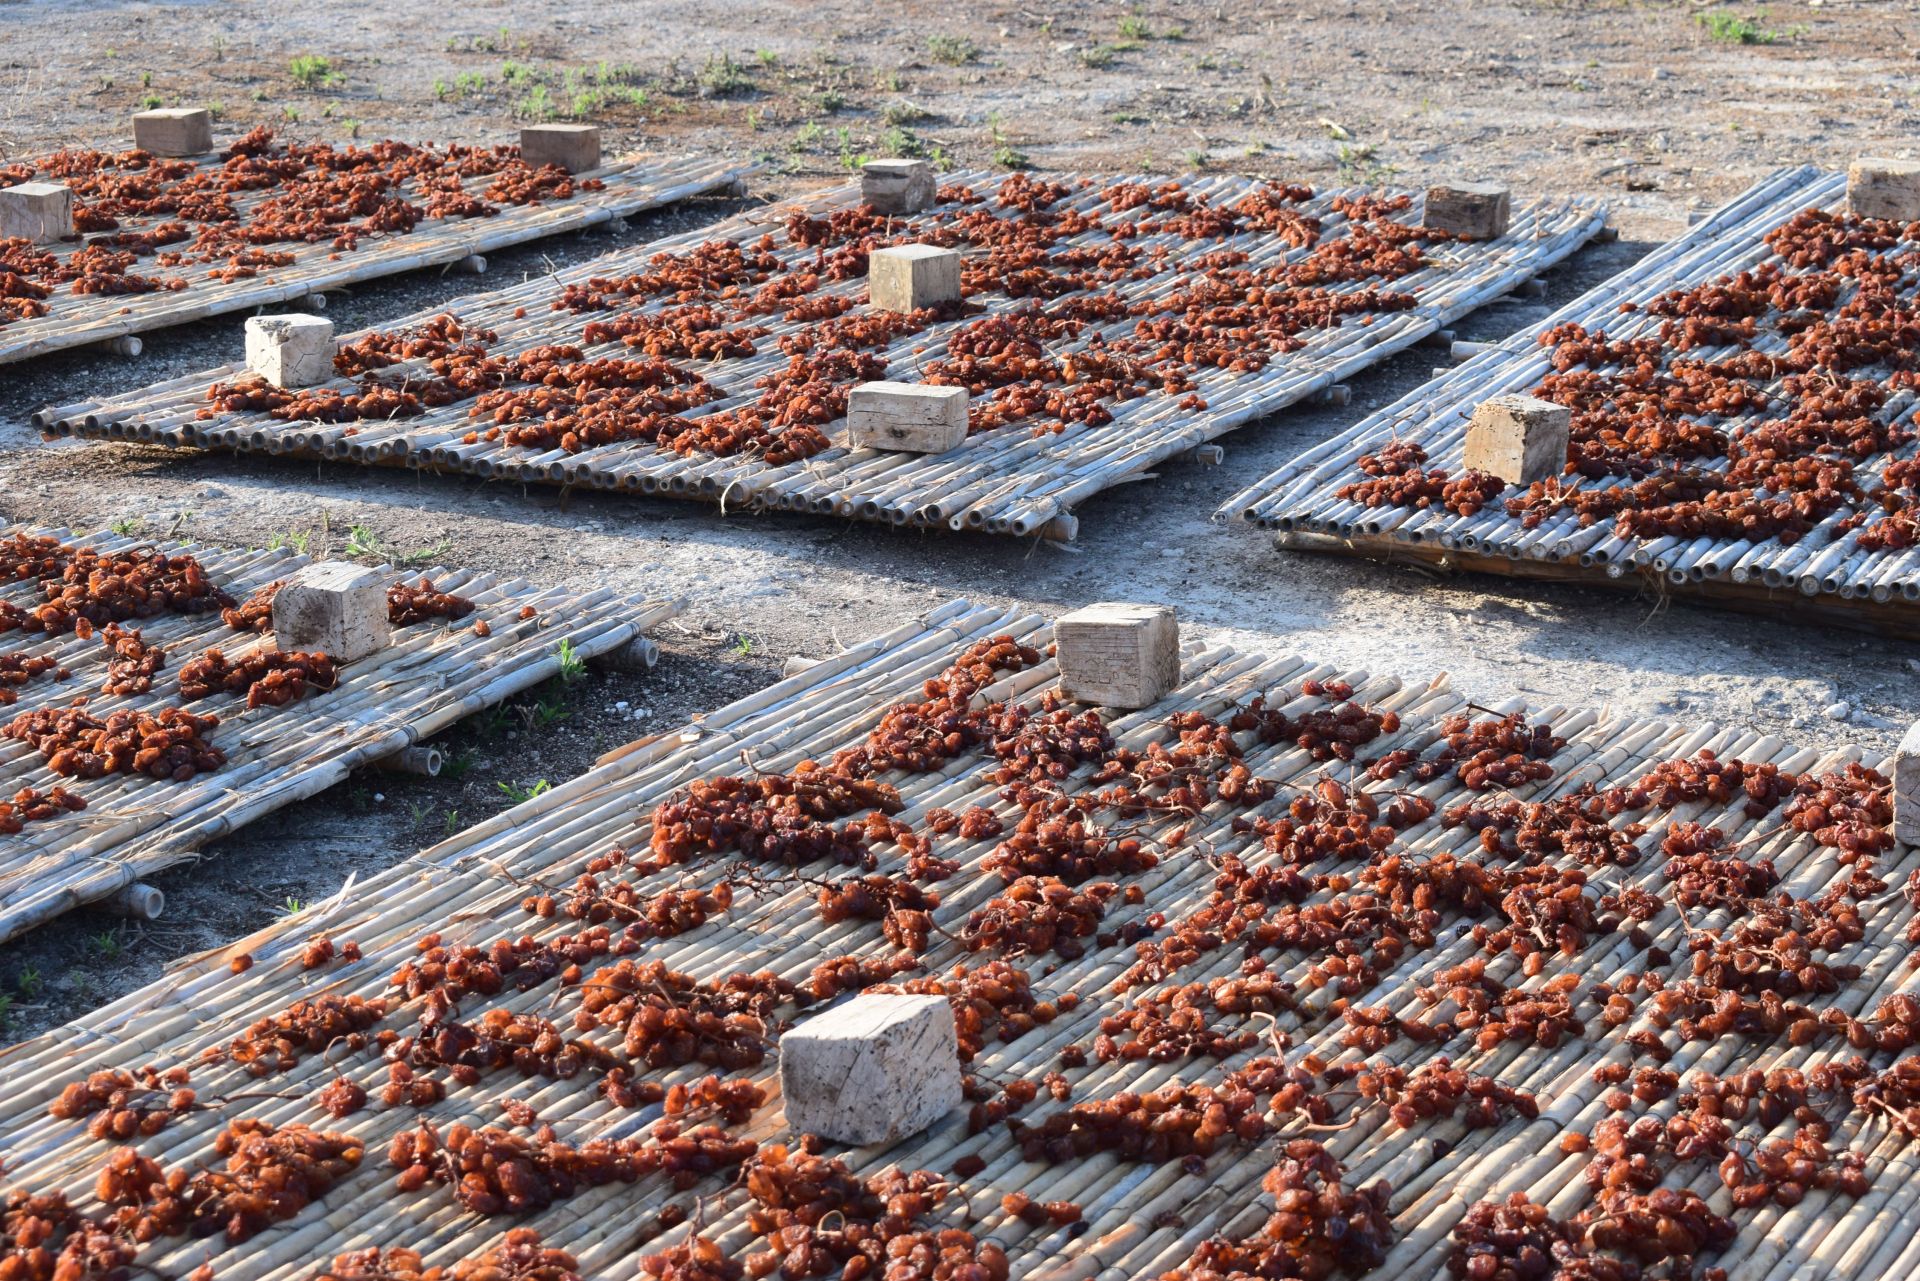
(876, 1069)
(1906, 788)
(1118, 655)
(1881, 187)
(910, 277)
(174, 131)
(897, 186)
(39, 211)
(1475, 210)
(1520, 439)
(910, 417)
(335, 607)
(575, 148)
(292, 350)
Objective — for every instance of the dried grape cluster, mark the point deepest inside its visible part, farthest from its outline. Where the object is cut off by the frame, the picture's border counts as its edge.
(410, 603)
(669, 1019)
(43, 1238)
(493, 1171)
(1176, 1122)
(83, 587)
(819, 1220)
(1319, 1228)
(121, 1106)
(30, 805)
(519, 1256)
(277, 1042)
(271, 1174)
(661, 914)
(76, 744)
(17, 669)
(268, 677)
(1036, 915)
(134, 663)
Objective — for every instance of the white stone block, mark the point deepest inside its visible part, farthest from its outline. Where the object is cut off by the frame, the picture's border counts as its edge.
(1476, 210)
(40, 211)
(876, 1069)
(174, 131)
(335, 607)
(575, 148)
(1520, 439)
(1906, 788)
(911, 417)
(1118, 655)
(897, 186)
(909, 277)
(1881, 187)
(291, 350)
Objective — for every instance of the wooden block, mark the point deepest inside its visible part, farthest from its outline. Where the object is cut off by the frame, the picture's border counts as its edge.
(174, 131)
(909, 277)
(1906, 788)
(39, 211)
(291, 350)
(1879, 187)
(1118, 655)
(1475, 210)
(877, 1069)
(575, 148)
(1520, 439)
(897, 186)
(911, 417)
(335, 607)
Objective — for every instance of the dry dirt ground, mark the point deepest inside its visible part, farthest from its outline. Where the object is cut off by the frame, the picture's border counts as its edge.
(1661, 109)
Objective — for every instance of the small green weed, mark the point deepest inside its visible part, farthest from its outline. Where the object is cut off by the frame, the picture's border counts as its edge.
(1724, 24)
(311, 71)
(952, 50)
(572, 666)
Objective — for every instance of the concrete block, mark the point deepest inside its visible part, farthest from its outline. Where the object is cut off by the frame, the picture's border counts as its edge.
(897, 186)
(1476, 210)
(40, 211)
(1520, 439)
(575, 148)
(335, 607)
(1879, 187)
(291, 350)
(909, 277)
(876, 1069)
(911, 417)
(1118, 655)
(1906, 788)
(174, 131)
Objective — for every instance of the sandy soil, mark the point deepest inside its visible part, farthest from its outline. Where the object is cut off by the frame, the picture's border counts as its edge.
(1638, 104)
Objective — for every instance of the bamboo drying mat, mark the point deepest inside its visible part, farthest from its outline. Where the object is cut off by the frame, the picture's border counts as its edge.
(74, 320)
(471, 887)
(433, 674)
(1003, 481)
(1817, 577)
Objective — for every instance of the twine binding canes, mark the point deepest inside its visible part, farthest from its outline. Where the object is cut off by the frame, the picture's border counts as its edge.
(929, 490)
(430, 676)
(1827, 569)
